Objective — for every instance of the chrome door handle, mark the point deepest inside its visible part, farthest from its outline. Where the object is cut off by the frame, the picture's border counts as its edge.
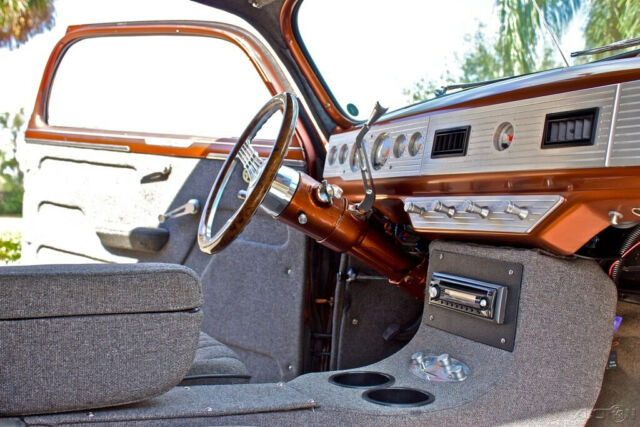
(192, 207)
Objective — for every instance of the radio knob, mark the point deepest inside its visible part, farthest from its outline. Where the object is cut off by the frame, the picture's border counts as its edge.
(516, 210)
(449, 211)
(414, 209)
(433, 291)
(483, 302)
(471, 207)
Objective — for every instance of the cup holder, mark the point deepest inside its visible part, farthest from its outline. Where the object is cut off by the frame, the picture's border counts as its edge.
(401, 397)
(362, 379)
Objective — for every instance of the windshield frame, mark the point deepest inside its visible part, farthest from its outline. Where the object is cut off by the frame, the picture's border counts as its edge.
(291, 34)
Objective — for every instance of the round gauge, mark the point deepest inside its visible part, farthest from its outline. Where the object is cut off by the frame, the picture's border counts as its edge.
(354, 158)
(333, 154)
(415, 143)
(503, 138)
(381, 151)
(342, 155)
(399, 146)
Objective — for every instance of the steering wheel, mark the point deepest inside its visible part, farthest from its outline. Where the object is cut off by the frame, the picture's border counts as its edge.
(261, 174)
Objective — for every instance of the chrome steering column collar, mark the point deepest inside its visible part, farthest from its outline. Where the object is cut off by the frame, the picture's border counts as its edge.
(281, 191)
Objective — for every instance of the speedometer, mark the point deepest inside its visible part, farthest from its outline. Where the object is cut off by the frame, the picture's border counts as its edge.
(381, 151)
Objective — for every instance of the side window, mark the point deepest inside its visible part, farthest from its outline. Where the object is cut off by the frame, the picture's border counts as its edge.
(175, 85)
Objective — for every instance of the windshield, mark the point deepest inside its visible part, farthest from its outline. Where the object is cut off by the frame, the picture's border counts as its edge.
(406, 51)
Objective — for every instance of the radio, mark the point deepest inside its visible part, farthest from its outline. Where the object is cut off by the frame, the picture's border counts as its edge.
(481, 299)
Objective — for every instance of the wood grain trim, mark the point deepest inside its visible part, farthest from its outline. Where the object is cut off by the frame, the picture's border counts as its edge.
(38, 129)
(590, 194)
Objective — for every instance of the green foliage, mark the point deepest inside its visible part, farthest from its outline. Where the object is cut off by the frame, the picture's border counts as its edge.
(10, 247)
(516, 49)
(521, 27)
(481, 63)
(610, 21)
(11, 177)
(22, 19)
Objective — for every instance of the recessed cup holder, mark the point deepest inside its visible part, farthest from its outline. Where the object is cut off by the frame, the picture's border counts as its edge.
(362, 379)
(401, 397)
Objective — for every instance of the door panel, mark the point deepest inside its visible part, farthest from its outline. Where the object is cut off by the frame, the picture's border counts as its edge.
(74, 194)
(94, 194)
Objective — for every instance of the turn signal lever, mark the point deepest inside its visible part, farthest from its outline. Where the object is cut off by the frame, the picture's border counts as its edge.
(366, 205)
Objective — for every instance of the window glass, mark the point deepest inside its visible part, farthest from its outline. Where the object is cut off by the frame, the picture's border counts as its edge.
(406, 51)
(185, 85)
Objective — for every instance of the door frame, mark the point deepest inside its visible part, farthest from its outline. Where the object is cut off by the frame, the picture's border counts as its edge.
(301, 151)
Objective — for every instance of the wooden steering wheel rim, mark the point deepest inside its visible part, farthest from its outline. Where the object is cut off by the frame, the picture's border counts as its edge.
(212, 244)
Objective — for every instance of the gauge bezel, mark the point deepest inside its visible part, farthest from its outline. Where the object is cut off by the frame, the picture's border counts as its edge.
(332, 156)
(343, 153)
(416, 136)
(353, 158)
(399, 146)
(497, 144)
(383, 141)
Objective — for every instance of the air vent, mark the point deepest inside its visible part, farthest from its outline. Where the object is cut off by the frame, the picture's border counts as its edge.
(569, 129)
(450, 142)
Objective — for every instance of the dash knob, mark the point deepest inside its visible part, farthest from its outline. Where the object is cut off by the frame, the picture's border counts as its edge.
(414, 209)
(471, 207)
(516, 210)
(449, 211)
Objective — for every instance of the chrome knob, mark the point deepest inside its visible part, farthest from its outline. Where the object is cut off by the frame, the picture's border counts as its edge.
(456, 372)
(516, 210)
(327, 192)
(414, 209)
(471, 207)
(483, 302)
(449, 211)
(433, 291)
(444, 360)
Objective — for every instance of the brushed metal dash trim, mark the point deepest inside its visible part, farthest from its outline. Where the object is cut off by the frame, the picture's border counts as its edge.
(612, 131)
(539, 207)
(74, 144)
(527, 117)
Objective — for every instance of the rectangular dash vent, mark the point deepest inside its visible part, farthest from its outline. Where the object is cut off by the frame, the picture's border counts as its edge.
(570, 129)
(450, 142)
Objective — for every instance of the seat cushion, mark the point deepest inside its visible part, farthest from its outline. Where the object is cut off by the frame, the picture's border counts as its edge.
(76, 337)
(215, 363)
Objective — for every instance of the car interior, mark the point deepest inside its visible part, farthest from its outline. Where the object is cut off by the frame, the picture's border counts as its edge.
(467, 260)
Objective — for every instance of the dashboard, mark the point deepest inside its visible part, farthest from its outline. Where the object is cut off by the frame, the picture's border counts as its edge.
(510, 161)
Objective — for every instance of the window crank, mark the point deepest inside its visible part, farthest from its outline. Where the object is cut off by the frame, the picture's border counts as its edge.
(192, 207)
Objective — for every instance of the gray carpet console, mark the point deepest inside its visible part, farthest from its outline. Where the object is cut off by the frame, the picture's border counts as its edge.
(552, 375)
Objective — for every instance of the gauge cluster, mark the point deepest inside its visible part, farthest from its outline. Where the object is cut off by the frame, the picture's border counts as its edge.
(501, 137)
(392, 150)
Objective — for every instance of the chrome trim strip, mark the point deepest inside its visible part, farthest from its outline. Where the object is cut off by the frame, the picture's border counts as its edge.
(74, 144)
(612, 131)
(281, 192)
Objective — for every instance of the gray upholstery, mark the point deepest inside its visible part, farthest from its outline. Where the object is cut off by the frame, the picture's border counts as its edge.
(551, 378)
(89, 336)
(215, 363)
(87, 289)
(74, 196)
